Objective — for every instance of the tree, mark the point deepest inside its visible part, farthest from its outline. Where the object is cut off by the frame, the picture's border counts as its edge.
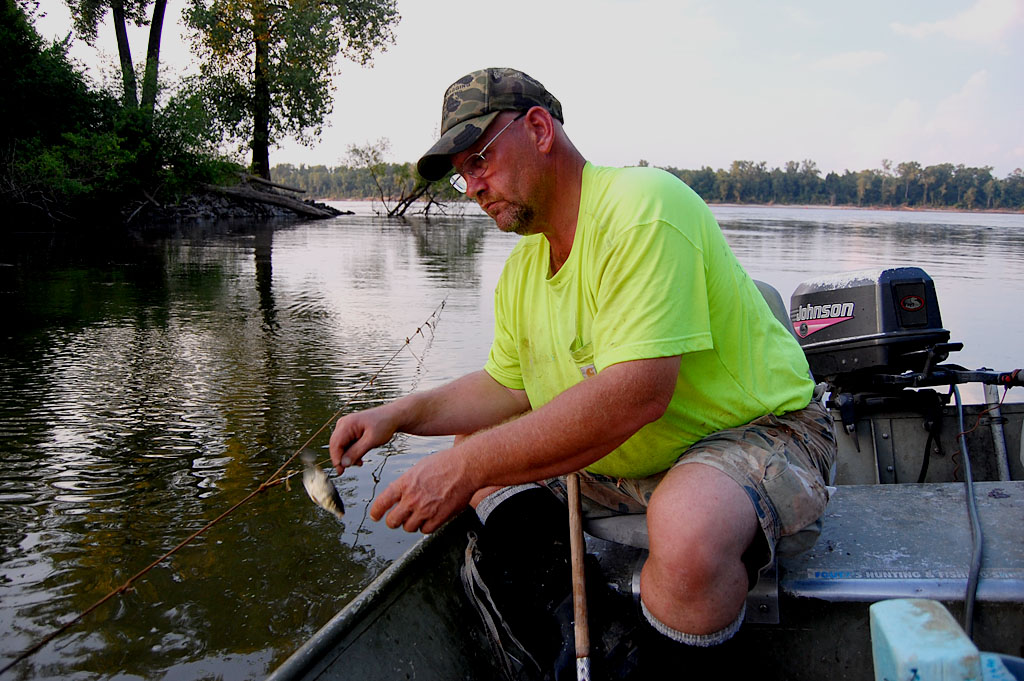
(267, 64)
(833, 185)
(810, 181)
(87, 16)
(400, 184)
(927, 179)
(886, 174)
(909, 172)
(863, 185)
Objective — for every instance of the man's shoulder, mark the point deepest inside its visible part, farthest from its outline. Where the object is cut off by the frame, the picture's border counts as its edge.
(641, 194)
(633, 178)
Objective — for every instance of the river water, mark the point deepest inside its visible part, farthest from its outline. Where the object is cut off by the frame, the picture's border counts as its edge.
(147, 385)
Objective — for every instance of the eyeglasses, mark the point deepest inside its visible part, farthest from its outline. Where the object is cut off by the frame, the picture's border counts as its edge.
(476, 165)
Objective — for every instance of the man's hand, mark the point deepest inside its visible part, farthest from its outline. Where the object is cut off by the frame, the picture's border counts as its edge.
(426, 495)
(358, 433)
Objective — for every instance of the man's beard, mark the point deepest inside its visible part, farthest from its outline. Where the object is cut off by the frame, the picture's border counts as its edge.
(520, 219)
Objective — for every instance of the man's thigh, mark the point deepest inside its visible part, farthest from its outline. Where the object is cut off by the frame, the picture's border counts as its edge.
(783, 464)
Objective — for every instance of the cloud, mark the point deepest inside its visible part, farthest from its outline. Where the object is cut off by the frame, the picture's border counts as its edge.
(960, 114)
(985, 22)
(963, 126)
(799, 17)
(850, 62)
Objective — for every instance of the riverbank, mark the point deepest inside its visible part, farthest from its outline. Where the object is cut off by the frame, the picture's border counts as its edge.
(253, 198)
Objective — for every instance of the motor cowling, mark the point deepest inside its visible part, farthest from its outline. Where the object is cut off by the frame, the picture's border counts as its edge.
(858, 324)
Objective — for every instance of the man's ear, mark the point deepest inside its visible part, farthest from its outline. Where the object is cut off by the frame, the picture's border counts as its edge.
(541, 127)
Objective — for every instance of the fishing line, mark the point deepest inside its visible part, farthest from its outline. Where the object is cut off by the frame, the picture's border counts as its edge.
(274, 480)
(378, 472)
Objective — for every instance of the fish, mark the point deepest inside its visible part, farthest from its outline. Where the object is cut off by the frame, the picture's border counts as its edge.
(319, 488)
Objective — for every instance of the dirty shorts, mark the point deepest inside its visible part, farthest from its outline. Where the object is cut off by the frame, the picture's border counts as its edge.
(782, 462)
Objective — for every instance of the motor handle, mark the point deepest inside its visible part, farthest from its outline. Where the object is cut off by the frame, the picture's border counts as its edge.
(1009, 378)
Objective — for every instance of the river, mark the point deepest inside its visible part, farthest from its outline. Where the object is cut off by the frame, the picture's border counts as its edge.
(148, 384)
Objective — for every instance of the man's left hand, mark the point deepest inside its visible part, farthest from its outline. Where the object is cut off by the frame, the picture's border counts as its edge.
(426, 495)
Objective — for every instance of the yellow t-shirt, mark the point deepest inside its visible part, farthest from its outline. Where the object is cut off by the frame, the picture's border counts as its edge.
(649, 275)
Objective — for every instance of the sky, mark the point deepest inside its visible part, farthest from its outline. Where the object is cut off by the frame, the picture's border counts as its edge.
(686, 83)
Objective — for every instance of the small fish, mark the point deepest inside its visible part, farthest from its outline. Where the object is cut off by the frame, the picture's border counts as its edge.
(321, 490)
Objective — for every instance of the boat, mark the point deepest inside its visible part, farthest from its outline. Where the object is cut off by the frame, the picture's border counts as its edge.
(916, 512)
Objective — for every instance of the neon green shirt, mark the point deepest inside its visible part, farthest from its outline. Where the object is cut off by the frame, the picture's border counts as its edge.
(649, 275)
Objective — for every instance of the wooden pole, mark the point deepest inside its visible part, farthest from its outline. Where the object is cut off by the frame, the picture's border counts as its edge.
(579, 585)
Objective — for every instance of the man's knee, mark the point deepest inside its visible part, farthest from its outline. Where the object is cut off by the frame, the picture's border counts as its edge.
(700, 523)
(698, 513)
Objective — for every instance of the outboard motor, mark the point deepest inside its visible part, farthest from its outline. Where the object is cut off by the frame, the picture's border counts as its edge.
(857, 325)
(875, 338)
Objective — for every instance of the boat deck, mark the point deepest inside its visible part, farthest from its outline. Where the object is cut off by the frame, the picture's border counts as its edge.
(899, 541)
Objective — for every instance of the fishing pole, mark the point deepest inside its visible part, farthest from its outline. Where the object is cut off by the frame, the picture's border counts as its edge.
(272, 481)
(577, 549)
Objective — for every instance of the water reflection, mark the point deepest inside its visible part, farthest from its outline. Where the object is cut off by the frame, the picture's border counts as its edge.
(147, 385)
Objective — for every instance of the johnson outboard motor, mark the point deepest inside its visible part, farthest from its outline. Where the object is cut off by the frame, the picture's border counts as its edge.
(875, 337)
(859, 325)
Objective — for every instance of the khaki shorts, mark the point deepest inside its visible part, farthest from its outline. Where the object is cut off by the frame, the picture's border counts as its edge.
(782, 462)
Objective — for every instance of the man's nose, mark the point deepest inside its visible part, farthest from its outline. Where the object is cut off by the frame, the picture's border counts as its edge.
(474, 186)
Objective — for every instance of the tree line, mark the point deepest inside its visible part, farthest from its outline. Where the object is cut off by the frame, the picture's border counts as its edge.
(908, 184)
(351, 182)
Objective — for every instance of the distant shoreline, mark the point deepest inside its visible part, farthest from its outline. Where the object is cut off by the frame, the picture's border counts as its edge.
(895, 209)
(799, 206)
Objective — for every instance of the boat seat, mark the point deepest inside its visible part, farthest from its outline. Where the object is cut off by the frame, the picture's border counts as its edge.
(776, 305)
(912, 541)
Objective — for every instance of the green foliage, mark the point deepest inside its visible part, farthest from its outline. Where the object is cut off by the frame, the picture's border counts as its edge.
(267, 66)
(71, 153)
(88, 15)
(188, 144)
(42, 93)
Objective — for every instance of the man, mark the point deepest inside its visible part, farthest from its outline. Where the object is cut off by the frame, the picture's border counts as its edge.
(629, 342)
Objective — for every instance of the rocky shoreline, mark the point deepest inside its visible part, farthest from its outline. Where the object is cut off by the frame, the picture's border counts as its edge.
(254, 199)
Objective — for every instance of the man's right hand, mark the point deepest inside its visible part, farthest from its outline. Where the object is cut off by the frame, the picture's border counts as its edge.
(465, 405)
(355, 434)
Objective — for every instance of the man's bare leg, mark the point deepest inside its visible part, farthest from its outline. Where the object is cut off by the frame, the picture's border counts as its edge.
(700, 522)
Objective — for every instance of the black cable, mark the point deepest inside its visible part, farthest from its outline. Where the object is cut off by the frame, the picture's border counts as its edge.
(972, 513)
(927, 456)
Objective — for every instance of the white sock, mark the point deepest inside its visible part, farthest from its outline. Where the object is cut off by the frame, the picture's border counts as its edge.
(491, 501)
(700, 640)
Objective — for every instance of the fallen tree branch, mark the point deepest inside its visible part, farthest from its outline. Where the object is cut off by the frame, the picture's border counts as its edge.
(246, 193)
(259, 180)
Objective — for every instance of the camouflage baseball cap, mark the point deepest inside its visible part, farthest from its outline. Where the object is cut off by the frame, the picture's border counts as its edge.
(471, 103)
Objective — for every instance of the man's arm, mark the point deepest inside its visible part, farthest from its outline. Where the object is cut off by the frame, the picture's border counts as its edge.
(574, 430)
(465, 405)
